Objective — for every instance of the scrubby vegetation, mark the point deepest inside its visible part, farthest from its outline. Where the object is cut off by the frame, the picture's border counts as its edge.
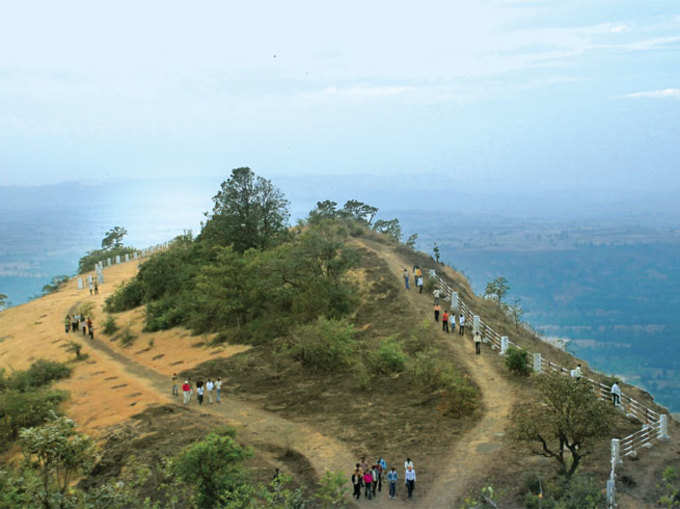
(112, 246)
(26, 400)
(517, 361)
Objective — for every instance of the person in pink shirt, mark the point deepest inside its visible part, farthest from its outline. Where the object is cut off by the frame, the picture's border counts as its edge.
(368, 481)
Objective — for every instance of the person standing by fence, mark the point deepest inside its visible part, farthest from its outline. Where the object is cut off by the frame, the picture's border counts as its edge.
(616, 394)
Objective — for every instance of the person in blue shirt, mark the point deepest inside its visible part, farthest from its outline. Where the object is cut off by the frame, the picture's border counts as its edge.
(392, 477)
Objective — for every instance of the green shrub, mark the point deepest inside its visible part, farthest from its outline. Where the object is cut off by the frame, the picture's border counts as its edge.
(430, 283)
(517, 361)
(110, 326)
(389, 358)
(127, 296)
(25, 409)
(325, 345)
(580, 492)
(39, 374)
(459, 396)
(213, 468)
(127, 338)
(163, 314)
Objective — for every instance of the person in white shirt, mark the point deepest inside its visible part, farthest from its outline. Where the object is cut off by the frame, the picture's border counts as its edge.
(218, 389)
(478, 343)
(209, 386)
(461, 324)
(616, 394)
(410, 478)
(576, 372)
(436, 293)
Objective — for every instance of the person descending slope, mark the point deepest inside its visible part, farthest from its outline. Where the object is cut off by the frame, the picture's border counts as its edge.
(445, 321)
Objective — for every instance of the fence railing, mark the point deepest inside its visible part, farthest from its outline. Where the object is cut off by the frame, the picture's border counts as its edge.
(115, 260)
(654, 425)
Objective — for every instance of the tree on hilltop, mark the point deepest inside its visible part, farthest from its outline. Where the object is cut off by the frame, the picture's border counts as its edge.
(114, 238)
(360, 211)
(497, 288)
(326, 209)
(564, 422)
(3, 301)
(248, 212)
(389, 227)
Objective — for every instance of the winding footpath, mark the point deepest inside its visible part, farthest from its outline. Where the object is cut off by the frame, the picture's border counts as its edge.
(473, 454)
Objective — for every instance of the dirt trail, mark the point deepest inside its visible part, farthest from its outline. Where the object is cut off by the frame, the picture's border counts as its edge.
(255, 426)
(473, 454)
(114, 383)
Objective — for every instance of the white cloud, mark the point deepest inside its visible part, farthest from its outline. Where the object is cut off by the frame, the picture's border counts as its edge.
(618, 29)
(667, 93)
(367, 91)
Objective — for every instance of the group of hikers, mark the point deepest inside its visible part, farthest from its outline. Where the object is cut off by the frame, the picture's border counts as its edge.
(73, 323)
(370, 477)
(210, 388)
(448, 320)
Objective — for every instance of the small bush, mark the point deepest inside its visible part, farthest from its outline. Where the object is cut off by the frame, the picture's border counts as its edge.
(127, 338)
(325, 345)
(39, 374)
(430, 284)
(110, 326)
(517, 361)
(581, 492)
(75, 347)
(389, 358)
(162, 315)
(458, 394)
(24, 410)
(127, 296)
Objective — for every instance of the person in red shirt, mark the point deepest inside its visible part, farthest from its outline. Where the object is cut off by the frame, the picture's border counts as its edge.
(186, 390)
(445, 321)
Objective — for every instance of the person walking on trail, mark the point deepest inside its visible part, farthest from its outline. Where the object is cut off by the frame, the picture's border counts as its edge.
(419, 283)
(175, 392)
(67, 324)
(410, 478)
(89, 325)
(478, 343)
(375, 475)
(83, 326)
(186, 391)
(452, 322)
(356, 483)
(74, 323)
(418, 272)
(209, 387)
(576, 372)
(461, 324)
(381, 470)
(218, 389)
(445, 321)
(191, 390)
(408, 463)
(393, 477)
(436, 293)
(96, 287)
(437, 308)
(406, 277)
(368, 481)
(616, 394)
(90, 331)
(200, 390)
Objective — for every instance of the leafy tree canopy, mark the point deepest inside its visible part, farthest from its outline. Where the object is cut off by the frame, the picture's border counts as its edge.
(248, 212)
(114, 238)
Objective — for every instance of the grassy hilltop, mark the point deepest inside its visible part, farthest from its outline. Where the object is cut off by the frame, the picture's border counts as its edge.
(325, 358)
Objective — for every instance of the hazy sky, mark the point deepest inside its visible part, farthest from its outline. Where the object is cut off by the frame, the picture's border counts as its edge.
(538, 93)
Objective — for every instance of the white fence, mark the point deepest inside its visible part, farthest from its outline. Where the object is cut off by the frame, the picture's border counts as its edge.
(654, 425)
